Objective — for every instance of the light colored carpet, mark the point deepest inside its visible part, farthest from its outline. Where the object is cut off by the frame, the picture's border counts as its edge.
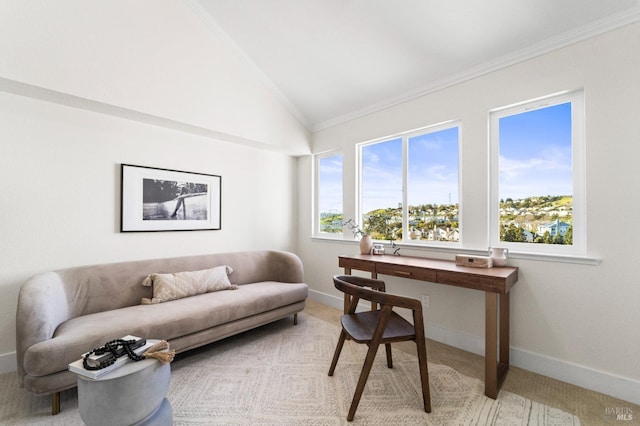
(277, 375)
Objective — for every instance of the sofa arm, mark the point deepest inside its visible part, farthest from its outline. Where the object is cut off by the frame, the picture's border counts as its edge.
(286, 267)
(42, 307)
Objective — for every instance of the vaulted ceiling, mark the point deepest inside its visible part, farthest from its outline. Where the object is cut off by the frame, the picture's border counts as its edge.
(332, 60)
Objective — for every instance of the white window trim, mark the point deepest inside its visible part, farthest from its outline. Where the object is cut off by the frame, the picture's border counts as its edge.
(315, 225)
(578, 249)
(405, 136)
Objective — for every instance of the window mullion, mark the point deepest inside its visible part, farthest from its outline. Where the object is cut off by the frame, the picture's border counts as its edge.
(405, 181)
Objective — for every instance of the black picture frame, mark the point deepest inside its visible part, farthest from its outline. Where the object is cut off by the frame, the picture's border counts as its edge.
(155, 199)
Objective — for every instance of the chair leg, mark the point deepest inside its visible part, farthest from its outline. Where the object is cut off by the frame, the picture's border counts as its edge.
(295, 319)
(389, 358)
(424, 373)
(362, 381)
(55, 403)
(336, 354)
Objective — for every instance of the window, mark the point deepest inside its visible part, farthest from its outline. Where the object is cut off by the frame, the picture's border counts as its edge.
(537, 176)
(425, 162)
(381, 189)
(329, 193)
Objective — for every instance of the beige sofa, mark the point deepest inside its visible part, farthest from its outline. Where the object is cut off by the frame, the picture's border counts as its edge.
(62, 314)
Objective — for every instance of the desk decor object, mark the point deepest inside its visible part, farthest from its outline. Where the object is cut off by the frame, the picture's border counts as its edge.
(499, 255)
(495, 282)
(377, 249)
(366, 244)
(154, 199)
(474, 261)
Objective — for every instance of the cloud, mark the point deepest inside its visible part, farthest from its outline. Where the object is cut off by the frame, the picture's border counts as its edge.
(551, 160)
(547, 174)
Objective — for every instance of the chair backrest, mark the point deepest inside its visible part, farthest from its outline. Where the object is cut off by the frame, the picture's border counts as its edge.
(373, 291)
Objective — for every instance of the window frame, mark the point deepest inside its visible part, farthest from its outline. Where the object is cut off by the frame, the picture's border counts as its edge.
(405, 136)
(578, 163)
(316, 190)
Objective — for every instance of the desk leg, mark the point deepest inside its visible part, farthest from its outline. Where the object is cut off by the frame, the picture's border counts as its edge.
(491, 345)
(504, 331)
(495, 369)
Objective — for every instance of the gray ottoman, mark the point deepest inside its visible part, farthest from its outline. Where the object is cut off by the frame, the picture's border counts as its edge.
(133, 394)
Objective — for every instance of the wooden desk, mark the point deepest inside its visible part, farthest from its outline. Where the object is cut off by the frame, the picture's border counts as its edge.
(495, 282)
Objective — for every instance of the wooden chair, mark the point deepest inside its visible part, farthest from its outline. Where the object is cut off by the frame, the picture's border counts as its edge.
(376, 327)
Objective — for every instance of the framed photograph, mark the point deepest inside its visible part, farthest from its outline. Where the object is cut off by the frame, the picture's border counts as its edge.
(169, 200)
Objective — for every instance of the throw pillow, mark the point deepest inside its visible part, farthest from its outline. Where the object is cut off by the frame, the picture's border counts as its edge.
(183, 284)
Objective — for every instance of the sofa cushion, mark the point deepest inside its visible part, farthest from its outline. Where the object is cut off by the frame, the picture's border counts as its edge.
(177, 285)
(166, 321)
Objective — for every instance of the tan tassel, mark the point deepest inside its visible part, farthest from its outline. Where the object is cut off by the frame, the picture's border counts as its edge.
(161, 352)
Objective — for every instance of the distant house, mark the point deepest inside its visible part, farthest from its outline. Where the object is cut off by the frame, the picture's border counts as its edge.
(554, 228)
(528, 235)
(443, 234)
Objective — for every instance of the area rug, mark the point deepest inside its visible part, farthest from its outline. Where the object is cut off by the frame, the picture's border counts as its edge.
(277, 375)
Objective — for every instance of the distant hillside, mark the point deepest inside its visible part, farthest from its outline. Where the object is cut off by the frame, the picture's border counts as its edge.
(520, 220)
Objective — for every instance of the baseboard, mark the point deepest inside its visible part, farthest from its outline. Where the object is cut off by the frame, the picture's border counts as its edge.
(327, 299)
(585, 377)
(579, 375)
(8, 363)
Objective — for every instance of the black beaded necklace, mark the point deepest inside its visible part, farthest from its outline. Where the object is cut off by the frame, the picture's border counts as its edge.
(111, 347)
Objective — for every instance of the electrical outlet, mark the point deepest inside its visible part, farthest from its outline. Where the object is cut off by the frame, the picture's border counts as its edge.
(425, 300)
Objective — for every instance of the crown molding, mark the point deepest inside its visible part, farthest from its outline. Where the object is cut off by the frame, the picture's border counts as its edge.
(585, 32)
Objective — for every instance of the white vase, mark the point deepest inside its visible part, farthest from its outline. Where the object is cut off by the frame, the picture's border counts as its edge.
(499, 256)
(366, 244)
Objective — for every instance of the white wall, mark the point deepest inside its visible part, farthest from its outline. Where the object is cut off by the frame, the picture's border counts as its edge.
(578, 323)
(80, 83)
(156, 57)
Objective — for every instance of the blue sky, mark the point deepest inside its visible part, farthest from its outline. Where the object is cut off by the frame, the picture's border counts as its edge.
(535, 153)
(433, 170)
(382, 175)
(535, 159)
(330, 176)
